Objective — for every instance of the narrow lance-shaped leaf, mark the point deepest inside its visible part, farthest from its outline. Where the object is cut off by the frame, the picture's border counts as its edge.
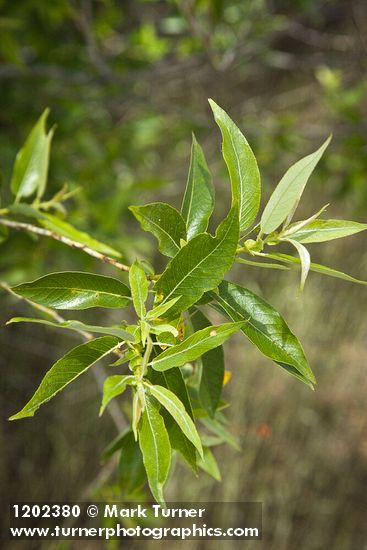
(176, 409)
(305, 259)
(160, 310)
(264, 265)
(23, 209)
(164, 222)
(155, 447)
(317, 268)
(76, 326)
(213, 425)
(209, 464)
(242, 167)
(265, 328)
(319, 231)
(113, 386)
(173, 380)
(195, 345)
(200, 265)
(75, 290)
(198, 201)
(31, 164)
(289, 190)
(297, 226)
(67, 369)
(139, 288)
(212, 368)
(164, 328)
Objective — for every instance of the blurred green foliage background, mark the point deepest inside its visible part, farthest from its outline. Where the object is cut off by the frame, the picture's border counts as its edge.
(126, 83)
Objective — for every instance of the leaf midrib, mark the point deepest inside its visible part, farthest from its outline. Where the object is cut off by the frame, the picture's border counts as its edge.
(201, 261)
(205, 339)
(242, 211)
(310, 230)
(160, 228)
(122, 382)
(77, 373)
(75, 289)
(263, 333)
(240, 176)
(283, 193)
(159, 484)
(193, 172)
(179, 410)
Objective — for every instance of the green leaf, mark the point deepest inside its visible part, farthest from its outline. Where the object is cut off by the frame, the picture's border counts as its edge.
(265, 328)
(195, 345)
(131, 467)
(305, 260)
(65, 229)
(212, 369)
(319, 231)
(139, 288)
(200, 265)
(262, 264)
(242, 167)
(209, 464)
(161, 309)
(24, 209)
(289, 190)
(158, 329)
(198, 201)
(155, 447)
(219, 430)
(173, 380)
(164, 222)
(77, 326)
(177, 410)
(113, 386)
(75, 290)
(67, 369)
(288, 230)
(31, 163)
(317, 268)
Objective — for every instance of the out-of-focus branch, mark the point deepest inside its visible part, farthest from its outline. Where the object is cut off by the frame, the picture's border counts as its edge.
(318, 39)
(21, 226)
(187, 8)
(84, 23)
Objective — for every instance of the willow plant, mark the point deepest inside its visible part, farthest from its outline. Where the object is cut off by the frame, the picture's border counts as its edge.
(172, 357)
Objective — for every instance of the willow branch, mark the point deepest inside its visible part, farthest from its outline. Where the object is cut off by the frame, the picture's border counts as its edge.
(20, 226)
(99, 374)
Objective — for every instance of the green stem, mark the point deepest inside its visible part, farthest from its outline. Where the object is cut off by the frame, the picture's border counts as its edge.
(146, 357)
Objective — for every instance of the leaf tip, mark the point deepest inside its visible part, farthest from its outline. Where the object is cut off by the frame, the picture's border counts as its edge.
(21, 414)
(201, 452)
(212, 104)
